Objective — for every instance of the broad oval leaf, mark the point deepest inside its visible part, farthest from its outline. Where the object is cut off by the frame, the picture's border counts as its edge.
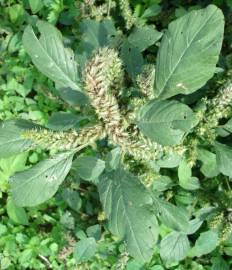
(151, 11)
(143, 37)
(155, 267)
(16, 213)
(113, 159)
(194, 225)
(206, 243)
(67, 220)
(186, 180)
(40, 183)
(172, 216)
(220, 264)
(96, 34)
(166, 122)
(228, 126)
(64, 121)
(94, 231)
(13, 164)
(169, 160)
(174, 247)
(126, 204)
(85, 249)
(89, 168)
(162, 183)
(35, 5)
(50, 56)
(224, 158)
(209, 162)
(72, 198)
(189, 52)
(132, 59)
(11, 142)
(72, 97)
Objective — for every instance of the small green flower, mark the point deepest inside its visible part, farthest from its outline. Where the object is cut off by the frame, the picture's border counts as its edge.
(145, 81)
(130, 20)
(217, 108)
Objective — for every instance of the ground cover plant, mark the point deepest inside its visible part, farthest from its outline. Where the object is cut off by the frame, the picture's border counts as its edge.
(115, 140)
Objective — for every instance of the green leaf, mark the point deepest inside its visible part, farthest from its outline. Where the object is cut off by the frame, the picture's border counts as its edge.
(174, 247)
(50, 56)
(67, 220)
(80, 234)
(220, 131)
(94, 231)
(184, 170)
(64, 121)
(72, 97)
(72, 198)
(205, 212)
(40, 182)
(143, 37)
(186, 180)
(85, 249)
(35, 5)
(157, 267)
(229, 3)
(209, 167)
(132, 59)
(17, 214)
(205, 244)
(13, 164)
(3, 229)
(16, 13)
(9, 166)
(173, 216)
(224, 158)
(11, 142)
(113, 159)
(169, 160)
(126, 204)
(151, 11)
(194, 225)
(134, 265)
(5, 263)
(162, 183)
(166, 122)
(96, 34)
(189, 52)
(228, 126)
(26, 256)
(220, 264)
(184, 198)
(89, 168)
